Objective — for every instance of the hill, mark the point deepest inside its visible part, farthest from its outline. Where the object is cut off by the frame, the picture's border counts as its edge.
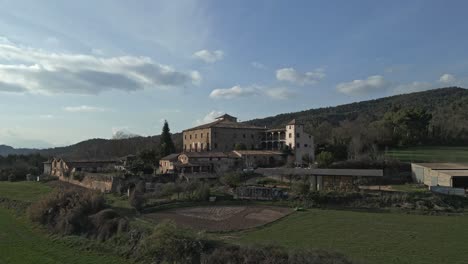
(8, 150)
(97, 148)
(447, 107)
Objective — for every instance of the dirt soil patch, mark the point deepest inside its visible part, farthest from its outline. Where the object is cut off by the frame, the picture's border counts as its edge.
(221, 218)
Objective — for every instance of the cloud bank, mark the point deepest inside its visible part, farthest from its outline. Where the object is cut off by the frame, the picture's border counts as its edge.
(29, 70)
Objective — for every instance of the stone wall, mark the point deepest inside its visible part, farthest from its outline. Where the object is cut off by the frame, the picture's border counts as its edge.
(93, 181)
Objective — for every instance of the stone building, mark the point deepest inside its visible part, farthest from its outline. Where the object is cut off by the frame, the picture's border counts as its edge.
(227, 134)
(222, 135)
(166, 164)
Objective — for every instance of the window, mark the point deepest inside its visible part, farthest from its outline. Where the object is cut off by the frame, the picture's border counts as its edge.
(290, 135)
(201, 146)
(215, 145)
(298, 145)
(185, 136)
(190, 136)
(207, 135)
(196, 146)
(195, 135)
(208, 146)
(305, 145)
(298, 135)
(201, 135)
(214, 134)
(243, 135)
(252, 136)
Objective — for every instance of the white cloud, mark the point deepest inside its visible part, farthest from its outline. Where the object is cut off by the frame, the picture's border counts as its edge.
(252, 90)
(258, 65)
(371, 84)
(29, 70)
(210, 117)
(122, 133)
(234, 92)
(413, 87)
(447, 79)
(84, 109)
(209, 56)
(293, 76)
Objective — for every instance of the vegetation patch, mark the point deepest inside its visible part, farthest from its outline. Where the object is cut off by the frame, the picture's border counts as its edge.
(77, 213)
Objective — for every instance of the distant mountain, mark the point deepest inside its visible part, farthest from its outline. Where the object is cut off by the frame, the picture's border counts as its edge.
(8, 150)
(97, 148)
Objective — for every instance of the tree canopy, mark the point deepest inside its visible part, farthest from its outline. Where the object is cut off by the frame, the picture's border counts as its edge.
(166, 146)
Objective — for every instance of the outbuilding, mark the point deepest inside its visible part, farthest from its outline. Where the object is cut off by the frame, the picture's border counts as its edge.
(453, 175)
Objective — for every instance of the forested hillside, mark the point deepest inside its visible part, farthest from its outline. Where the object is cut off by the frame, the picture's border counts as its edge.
(437, 117)
(99, 148)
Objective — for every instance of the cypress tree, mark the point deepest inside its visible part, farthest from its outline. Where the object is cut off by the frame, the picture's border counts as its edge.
(167, 145)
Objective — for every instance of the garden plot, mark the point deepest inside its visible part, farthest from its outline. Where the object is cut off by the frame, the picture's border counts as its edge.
(221, 218)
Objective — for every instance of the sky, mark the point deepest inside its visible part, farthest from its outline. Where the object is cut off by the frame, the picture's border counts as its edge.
(75, 70)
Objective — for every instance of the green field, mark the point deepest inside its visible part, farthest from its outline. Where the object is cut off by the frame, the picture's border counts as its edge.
(371, 237)
(430, 154)
(21, 242)
(23, 191)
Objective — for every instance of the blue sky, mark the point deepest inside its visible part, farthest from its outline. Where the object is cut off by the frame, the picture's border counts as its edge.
(74, 70)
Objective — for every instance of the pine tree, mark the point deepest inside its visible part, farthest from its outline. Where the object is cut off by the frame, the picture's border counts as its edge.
(167, 145)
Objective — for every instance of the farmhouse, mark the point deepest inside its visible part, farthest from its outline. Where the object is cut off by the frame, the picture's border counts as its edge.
(227, 134)
(454, 175)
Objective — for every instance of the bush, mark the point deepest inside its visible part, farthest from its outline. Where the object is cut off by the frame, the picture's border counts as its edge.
(202, 193)
(301, 188)
(70, 212)
(137, 197)
(170, 244)
(324, 159)
(231, 179)
(78, 176)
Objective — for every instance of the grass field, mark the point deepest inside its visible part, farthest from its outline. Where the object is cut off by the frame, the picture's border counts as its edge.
(371, 237)
(21, 242)
(430, 154)
(23, 191)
